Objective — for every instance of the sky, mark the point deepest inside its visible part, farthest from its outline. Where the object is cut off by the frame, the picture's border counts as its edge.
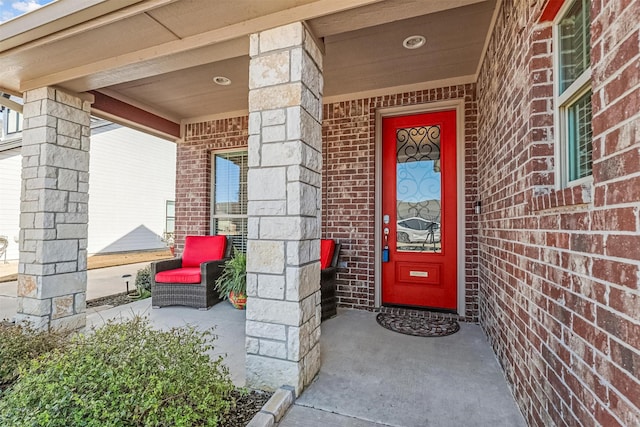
(417, 181)
(11, 8)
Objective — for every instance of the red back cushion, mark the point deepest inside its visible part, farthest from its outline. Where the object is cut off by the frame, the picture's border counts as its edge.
(198, 249)
(327, 246)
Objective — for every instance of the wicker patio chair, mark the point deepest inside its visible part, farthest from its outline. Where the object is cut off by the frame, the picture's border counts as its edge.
(190, 280)
(329, 254)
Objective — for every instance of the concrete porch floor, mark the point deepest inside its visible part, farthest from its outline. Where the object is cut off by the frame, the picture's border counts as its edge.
(370, 376)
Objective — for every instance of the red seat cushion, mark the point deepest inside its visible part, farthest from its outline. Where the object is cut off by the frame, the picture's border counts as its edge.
(198, 249)
(179, 275)
(327, 246)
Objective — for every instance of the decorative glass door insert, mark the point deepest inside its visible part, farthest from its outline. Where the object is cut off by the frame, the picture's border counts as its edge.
(418, 189)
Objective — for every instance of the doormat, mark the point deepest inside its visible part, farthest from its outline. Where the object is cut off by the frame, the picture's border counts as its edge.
(418, 326)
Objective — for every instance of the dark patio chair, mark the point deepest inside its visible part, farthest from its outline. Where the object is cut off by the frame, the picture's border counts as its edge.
(329, 254)
(190, 280)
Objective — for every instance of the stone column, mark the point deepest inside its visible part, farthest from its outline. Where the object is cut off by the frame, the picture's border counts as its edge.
(285, 161)
(52, 279)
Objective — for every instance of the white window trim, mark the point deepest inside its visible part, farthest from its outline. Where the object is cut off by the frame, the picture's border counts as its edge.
(166, 215)
(5, 124)
(561, 102)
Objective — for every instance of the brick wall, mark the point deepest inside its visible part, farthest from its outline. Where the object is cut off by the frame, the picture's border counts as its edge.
(348, 209)
(348, 184)
(193, 171)
(558, 269)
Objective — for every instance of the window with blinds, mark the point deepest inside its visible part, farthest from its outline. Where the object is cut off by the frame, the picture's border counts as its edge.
(579, 137)
(574, 43)
(229, 195)
(573, 91)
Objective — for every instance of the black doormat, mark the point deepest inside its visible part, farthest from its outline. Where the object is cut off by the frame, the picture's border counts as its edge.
(418, 326)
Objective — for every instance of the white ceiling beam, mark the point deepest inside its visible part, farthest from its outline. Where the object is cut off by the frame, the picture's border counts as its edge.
(226, 50)
(382, 13)
(12, 105)
(276, 19)
(101, 21)
(54, 17)
(5, 89)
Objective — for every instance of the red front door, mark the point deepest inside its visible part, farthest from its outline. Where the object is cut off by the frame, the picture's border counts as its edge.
(419, 207)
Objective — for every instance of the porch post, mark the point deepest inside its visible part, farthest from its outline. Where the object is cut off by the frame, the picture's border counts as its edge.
(285, 163)
(52, 276)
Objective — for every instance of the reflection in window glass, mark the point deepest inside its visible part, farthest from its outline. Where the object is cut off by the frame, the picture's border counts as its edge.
(418, 189)
(230, 197)
(580, 135)
(575, 46)
(574, 100)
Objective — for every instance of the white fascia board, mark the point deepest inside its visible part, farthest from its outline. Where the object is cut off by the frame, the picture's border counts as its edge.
(54, 17)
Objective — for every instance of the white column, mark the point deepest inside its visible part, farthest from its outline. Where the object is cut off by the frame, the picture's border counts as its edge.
(284, 186)
(52, 279)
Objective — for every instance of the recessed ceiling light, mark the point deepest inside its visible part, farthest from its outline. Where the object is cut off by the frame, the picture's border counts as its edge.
(222, 81)
(414, 42)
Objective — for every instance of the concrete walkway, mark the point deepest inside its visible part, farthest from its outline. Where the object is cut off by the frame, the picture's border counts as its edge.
(100, 282)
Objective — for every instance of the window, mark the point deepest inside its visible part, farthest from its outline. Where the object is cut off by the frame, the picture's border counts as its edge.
(170, 223)
(573, 92)
(13, 122)
(229, 207)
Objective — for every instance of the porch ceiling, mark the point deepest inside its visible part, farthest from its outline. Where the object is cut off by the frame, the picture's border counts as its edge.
(161, 55)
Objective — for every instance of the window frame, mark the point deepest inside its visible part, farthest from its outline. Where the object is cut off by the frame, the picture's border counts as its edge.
(212, 207)
(18, 121)
(167, 216)
(563, 102)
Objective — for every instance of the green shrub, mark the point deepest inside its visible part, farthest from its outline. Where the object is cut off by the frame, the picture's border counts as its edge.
(143, 282)
(123, 375)
(20, 344)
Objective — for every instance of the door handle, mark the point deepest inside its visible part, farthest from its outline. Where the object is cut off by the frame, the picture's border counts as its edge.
(385, 249)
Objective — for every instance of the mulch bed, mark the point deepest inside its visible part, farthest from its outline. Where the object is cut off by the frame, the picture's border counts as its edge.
(112, 300)
(247, 405)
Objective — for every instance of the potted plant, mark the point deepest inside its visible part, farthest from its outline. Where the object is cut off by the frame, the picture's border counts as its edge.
(169, 239)
(232, 283)
(143, 284)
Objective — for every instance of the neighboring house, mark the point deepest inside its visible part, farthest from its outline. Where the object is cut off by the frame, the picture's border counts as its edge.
(512, 124)
(131, 181)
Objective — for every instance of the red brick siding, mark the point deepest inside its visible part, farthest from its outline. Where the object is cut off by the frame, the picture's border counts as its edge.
(193, 172)
(348, 184)
(348, 209)
(558, 270)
